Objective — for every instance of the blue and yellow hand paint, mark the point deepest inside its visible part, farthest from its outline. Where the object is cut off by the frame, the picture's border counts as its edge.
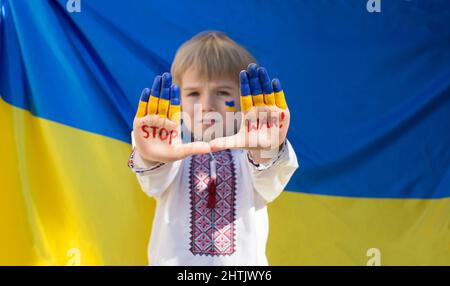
(163, 99)
(258, 90)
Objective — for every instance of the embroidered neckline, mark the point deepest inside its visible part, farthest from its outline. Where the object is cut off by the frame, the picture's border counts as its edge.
(212, 229)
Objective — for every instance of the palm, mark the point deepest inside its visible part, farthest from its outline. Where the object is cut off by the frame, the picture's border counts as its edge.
(157, 124)
(265, 119)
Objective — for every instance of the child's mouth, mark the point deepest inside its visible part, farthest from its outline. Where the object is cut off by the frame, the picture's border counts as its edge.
(208, 121)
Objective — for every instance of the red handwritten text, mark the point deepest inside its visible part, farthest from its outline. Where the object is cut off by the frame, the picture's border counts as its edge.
(268, 123)
(161, 132)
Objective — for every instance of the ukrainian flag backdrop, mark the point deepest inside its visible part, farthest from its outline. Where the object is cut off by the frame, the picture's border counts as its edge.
(369, 94)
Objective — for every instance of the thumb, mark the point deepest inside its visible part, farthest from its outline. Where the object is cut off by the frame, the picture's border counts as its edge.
(194, 148)
(222, 143)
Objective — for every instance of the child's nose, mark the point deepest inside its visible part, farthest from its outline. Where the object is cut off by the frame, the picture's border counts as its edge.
(207, 103)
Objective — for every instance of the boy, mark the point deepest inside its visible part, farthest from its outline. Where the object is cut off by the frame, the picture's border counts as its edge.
(212, 193)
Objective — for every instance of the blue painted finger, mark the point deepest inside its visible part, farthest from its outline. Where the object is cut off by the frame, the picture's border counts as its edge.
(245, 86)
(269, 97)
(166, 84)
(152, 106)
(164, 97)
(156, 87)
(280, 100)
(142, 107)
(175, 95)
(246, 98)
(145, 94)
(276, 85)
(255, 85)
(174, 110)
(265, 80)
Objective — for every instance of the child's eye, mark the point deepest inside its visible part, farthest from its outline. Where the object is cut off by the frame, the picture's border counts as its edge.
(194, 93)
(223, 93)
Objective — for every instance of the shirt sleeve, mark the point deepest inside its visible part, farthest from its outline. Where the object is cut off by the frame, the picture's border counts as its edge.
(155, 179)
(270, 179)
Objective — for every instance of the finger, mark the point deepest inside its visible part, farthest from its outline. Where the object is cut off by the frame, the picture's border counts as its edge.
(222, 143)
(269, 97)
(246, 98)
(255, 85)
(193, 148)
(164, 96)
(174, 109)
(152, 106)
(279, 94)
(142, 107)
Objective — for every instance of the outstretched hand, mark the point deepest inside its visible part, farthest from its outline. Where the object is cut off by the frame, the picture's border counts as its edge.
(157, 131)
(265, 119)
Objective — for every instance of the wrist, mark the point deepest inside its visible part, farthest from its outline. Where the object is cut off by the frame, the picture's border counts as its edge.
(140, 165)
(262, 156)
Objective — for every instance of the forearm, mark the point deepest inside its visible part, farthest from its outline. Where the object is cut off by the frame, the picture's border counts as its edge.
(270, 179)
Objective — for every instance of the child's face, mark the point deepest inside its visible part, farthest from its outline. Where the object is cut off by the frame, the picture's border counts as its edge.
(210, 96)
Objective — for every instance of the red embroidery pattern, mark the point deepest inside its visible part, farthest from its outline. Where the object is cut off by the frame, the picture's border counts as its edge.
(213, 230)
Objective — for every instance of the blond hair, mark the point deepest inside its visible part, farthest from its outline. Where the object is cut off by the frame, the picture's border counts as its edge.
(212, 54)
